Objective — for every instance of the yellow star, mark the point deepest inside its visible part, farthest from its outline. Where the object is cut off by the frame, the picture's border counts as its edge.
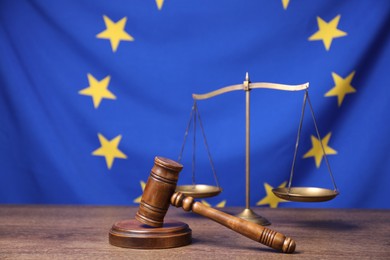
(219, 205)
(342, 87)
(317, 152)
(109, 149)
(327, 31)
(97, 90)
(271, 198)
(285, 4)
(138, 199)
(115, 32)
(159, 4)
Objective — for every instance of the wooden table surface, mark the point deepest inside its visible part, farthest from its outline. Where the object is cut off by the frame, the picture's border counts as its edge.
(81, 232)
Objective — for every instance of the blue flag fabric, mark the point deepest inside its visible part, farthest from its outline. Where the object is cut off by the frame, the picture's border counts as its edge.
(91, 91)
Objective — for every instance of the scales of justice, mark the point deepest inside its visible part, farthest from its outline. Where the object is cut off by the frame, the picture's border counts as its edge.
(298, 194)
(148, 230)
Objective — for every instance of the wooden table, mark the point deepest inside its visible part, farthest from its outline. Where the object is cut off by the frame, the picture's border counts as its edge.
(81, 232)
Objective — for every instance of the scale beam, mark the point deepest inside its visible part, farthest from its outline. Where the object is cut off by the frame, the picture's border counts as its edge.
(231, 88)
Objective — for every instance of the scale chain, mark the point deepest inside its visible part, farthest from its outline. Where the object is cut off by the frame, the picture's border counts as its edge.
(322, 146)
(298, 138)
(186, 132)
(207, 147)
(193, 117)
(194, 145)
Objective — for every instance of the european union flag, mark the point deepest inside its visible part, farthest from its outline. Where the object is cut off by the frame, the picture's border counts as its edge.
(91, 91)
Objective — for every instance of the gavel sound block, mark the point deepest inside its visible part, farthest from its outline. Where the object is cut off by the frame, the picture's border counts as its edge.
(160, 192)
(151, 232)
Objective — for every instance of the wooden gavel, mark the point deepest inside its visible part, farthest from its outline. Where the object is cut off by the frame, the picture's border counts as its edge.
(159, 193)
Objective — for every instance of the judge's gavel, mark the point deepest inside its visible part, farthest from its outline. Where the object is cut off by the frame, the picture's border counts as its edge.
(160, 192)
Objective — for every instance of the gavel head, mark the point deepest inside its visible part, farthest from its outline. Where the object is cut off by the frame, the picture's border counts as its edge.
(158, 191)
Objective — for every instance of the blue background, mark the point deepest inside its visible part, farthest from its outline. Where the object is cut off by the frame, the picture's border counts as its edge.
(48, 131)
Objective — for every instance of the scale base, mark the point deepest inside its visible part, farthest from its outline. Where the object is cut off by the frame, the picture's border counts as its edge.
(251, 216)
(133, 234)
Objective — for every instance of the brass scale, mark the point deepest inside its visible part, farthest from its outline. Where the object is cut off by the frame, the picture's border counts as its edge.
(299, 194)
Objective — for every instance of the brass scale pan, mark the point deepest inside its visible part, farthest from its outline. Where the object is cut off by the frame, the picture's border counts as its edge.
(305, 194)
(199, 190)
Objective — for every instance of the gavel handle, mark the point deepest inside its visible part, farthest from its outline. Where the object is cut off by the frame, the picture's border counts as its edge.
(251, 230)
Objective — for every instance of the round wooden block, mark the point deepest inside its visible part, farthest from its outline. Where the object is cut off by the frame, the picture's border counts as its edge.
(132, 234)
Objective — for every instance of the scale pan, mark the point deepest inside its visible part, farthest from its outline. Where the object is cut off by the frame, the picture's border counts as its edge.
(305, 194)
(199, 190)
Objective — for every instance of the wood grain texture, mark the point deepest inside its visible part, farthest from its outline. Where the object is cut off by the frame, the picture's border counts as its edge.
(81, 232)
